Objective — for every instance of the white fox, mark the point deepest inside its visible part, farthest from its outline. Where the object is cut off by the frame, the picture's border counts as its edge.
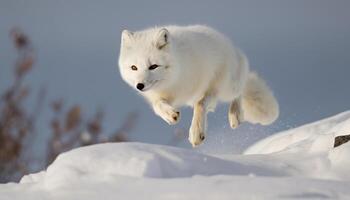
(174, 66)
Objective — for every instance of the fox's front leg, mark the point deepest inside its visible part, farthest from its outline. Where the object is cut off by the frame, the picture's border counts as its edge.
(166, 111)
(199, 121)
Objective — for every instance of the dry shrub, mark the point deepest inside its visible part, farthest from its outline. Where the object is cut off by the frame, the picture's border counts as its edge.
(70, 128)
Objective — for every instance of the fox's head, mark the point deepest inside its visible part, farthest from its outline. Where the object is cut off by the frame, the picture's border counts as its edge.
(145, 59)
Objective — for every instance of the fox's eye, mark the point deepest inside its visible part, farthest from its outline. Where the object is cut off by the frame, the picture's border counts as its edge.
(133, 67)
(152, 67)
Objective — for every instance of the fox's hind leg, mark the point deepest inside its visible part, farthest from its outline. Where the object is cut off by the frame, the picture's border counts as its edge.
(199, 121)
(235, 113)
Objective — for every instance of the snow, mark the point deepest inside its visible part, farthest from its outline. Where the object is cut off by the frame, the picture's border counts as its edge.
(314, 137)
(300, 163)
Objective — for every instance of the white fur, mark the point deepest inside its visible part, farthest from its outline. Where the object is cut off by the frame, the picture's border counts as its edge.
(198, 67)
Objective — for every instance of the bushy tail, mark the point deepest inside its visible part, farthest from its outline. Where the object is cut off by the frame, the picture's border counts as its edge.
(258, 102)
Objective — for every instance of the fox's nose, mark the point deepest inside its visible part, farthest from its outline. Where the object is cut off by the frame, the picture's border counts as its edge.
(140, 86)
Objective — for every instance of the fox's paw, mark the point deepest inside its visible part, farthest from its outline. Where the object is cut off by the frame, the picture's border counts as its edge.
(234, 120)
(172, 117)
(235, 115)
(168, 114)
(196, 136)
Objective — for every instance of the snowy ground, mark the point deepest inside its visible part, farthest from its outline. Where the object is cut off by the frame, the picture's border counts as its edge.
(296, 164)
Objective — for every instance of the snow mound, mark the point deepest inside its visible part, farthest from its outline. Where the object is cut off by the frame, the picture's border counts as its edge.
(107, 161)
(309, 148)
(311, 138)
(300, 163)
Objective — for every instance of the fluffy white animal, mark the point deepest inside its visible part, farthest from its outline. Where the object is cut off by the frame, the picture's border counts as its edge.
(174, 66)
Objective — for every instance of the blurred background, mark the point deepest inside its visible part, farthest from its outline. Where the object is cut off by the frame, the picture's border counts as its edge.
(60, 86)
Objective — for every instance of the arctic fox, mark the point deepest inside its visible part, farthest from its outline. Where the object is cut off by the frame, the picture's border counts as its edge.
(174, 66)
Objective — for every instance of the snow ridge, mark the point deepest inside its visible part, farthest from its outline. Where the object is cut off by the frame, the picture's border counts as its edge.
(300, 163)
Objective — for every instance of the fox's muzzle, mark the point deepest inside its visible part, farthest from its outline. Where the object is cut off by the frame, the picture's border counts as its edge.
(140, 86)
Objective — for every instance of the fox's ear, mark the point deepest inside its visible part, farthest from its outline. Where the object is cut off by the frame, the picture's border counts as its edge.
(162, 38)
(127, 36)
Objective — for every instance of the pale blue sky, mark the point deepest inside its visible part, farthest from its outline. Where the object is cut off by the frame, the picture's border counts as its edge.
(302, 49)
